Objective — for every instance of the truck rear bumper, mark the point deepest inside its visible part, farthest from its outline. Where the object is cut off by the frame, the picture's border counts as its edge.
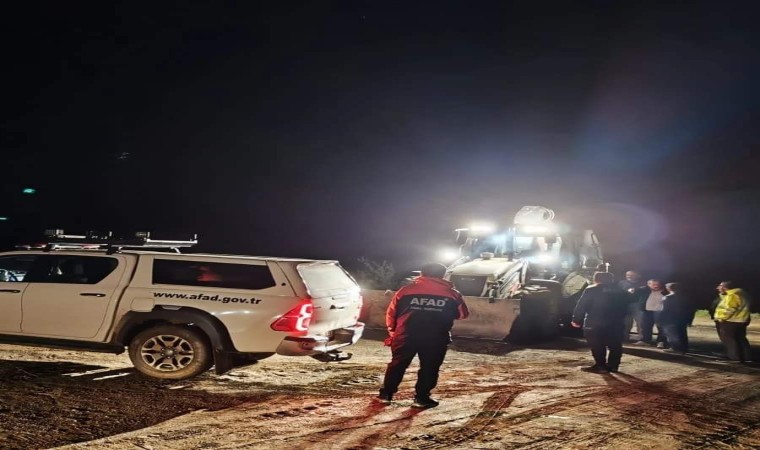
(314, 345)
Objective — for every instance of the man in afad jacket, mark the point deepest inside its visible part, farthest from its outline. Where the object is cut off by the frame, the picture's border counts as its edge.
(732, 319)
(419, 320)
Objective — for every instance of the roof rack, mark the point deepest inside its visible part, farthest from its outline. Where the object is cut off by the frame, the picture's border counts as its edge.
(58, 240)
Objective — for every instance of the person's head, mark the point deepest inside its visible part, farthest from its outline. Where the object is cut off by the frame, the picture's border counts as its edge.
(603, 278)
(673, 287)
(632, 276)
(433, 270)
(654, 285)
(725, 286)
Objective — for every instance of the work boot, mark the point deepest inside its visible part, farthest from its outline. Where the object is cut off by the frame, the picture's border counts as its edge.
(662, 345)
(424, 402)
(595, 369)
(384, 398)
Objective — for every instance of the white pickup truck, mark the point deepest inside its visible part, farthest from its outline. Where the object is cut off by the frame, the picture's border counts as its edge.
(178, 314)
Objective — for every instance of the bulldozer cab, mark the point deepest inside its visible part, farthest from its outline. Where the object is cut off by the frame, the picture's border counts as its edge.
(473, 242)
(546, 250)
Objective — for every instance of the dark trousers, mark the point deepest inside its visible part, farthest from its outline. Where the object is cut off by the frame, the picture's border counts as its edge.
(692, 314)
(734, 338)
(604, 339)
(677, 336)
(632, 316)
(431, 356)
(646, 327)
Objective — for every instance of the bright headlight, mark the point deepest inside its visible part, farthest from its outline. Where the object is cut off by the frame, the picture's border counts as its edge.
(545, 258)
(448, 254)
(537, 229)
(482, 228)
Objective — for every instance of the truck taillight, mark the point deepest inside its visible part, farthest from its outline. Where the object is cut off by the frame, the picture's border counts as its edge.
(297, 319)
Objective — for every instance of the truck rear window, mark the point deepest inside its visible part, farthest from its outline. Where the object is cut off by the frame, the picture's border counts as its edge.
(212, 274)
(323, 278)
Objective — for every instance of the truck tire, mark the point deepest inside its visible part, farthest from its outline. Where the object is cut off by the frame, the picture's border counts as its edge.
(170, 352)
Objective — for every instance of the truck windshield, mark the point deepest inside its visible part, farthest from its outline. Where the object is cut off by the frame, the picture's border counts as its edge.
(491, 244)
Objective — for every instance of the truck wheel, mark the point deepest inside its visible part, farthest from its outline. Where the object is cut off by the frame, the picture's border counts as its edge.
(170, 352)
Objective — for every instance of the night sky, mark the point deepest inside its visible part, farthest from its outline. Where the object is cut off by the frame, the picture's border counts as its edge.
(340, 129)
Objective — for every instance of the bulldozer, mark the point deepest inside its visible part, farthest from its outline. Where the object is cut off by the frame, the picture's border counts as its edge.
(520, 281)
(544, 264)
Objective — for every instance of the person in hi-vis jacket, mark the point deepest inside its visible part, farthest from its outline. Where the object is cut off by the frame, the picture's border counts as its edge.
(732, 317)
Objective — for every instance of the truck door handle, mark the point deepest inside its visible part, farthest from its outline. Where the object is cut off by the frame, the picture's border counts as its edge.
(92, 294)
(12, 291)
(337, 307)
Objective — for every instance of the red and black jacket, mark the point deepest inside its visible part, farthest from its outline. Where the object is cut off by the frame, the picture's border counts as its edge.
(425, 311)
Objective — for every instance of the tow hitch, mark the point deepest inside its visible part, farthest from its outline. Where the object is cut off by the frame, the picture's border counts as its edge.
(333, 356)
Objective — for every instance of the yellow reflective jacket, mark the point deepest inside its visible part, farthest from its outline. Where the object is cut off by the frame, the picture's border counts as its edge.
(733, 306)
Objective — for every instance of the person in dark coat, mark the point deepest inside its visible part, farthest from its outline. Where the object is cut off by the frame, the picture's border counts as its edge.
(630, 285)
(600, 311)
(674, 318)
(419, 319)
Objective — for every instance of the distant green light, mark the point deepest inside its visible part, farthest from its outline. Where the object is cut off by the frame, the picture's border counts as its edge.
(29, 191)
(3, 219)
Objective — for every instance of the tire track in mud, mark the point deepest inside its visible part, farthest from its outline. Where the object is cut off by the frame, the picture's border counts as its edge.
(368, 419)
(677, 407)
(492, 414)
(697, 418)
(732, 412)
(48, 395)
(660, 401)
(495, 404)
(482, 406)
(357, 383)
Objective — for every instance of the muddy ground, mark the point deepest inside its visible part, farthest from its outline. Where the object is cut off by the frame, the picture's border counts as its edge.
(493, 396)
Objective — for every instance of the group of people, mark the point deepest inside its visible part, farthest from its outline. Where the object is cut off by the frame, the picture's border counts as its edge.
(653, 305)
(420, 317)
(607, 312)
